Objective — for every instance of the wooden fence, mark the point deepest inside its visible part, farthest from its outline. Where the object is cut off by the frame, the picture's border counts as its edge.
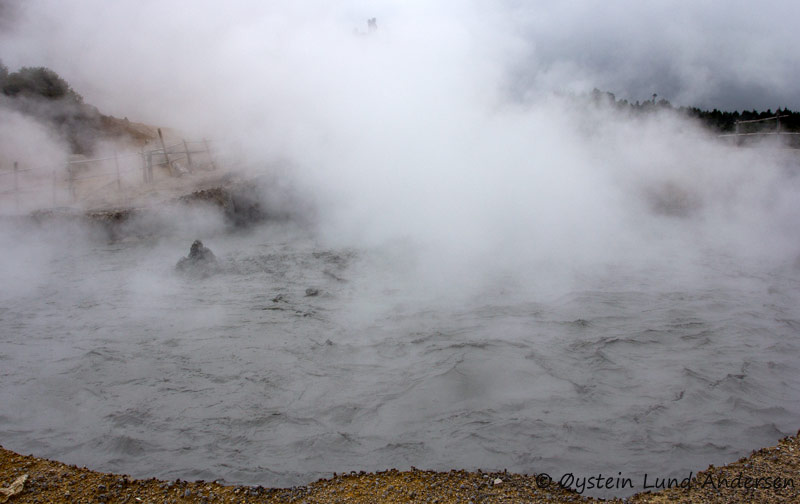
(81, 179)
(745, 135)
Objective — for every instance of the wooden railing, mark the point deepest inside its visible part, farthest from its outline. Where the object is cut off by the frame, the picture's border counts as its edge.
(81, 178)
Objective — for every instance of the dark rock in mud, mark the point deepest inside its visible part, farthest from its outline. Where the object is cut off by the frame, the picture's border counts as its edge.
(199, 261)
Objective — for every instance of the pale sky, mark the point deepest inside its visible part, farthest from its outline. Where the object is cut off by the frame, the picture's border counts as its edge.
(729, 54)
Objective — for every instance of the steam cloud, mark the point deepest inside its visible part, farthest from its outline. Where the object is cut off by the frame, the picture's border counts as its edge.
(447, 130)
(450, 159)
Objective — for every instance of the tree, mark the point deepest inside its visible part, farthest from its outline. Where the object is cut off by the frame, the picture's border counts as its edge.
(3, 74)
(38, 82)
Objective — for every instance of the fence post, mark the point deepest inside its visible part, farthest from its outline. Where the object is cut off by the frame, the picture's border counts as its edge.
(116, 163)
(149, 167)
(150, 174)
(166, 155)
(71, 176)
(210, 156)
(16, 184)
(144, 166)
(188, 156)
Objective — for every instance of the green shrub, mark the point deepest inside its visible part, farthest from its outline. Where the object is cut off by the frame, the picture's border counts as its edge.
(38, 82)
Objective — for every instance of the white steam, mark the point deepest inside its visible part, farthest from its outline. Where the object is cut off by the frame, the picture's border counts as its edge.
(443, 132)
(446, 162)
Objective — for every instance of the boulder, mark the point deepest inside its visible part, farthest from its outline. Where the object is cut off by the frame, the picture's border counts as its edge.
(199, 261)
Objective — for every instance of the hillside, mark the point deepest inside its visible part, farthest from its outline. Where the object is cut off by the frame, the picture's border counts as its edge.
(40, 93)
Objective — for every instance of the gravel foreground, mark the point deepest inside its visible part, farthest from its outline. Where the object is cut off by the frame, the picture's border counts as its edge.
(769, 475)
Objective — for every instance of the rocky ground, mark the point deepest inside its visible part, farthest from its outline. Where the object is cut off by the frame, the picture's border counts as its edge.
(770, 475)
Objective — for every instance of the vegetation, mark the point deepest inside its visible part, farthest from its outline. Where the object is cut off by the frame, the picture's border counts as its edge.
(36, 82)
(42, 93)
(716, 120)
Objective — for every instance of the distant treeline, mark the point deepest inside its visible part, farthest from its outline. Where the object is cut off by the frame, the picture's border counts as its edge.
(41, 92)
(716, 120)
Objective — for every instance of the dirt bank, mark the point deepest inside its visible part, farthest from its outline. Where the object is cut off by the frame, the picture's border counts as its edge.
(239, 203)
(769, 475)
